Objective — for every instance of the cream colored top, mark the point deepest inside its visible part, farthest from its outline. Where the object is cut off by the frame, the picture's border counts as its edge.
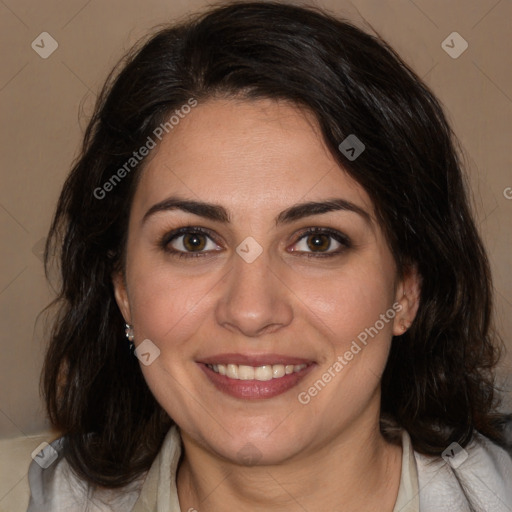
(427, 484)
(408, 499)
(157, 496)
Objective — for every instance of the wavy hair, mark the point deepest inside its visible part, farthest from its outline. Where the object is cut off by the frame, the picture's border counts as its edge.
(439, 381)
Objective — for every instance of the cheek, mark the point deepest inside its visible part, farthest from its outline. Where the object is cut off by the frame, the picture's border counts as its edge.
(349, 312)
(352, 302)
(165, 305)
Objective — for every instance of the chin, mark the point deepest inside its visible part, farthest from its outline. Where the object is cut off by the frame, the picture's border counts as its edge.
(258, 446)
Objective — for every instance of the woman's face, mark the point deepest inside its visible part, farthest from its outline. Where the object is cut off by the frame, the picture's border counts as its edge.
(279, 266)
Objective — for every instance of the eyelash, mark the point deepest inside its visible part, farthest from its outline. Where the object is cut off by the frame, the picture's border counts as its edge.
(187, 230)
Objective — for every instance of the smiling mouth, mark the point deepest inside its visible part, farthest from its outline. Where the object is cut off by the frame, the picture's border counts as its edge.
(261, 373)
(244, 381)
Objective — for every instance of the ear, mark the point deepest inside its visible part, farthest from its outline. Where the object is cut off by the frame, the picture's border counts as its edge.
(408, 298)
(121, 294)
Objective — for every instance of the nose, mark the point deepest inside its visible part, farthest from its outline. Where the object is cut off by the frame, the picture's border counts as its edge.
(255, 301)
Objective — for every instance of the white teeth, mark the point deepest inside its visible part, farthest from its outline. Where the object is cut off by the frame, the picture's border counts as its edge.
(277, 371)
(232, 371)
(244, 372)
(262, 373)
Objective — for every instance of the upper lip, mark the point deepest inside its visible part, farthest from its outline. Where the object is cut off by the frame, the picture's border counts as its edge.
(254, 360)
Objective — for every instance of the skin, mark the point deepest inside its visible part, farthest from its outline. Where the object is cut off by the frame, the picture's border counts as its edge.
(257, 158)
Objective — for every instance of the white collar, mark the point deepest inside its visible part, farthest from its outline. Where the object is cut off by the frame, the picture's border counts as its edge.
(160, 494)
(427, 484)
(482, 482)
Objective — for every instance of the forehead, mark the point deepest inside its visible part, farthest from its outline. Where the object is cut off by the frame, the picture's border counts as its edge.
(247, 154)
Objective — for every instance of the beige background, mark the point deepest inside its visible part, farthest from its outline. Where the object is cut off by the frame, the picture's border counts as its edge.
(40, 101)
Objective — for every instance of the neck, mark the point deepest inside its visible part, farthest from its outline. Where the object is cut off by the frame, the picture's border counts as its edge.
(358, 470)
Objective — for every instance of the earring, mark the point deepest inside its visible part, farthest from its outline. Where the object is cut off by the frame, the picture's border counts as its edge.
(128, 330)
(404, 326)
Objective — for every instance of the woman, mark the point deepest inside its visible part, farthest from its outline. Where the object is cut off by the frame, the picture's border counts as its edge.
(269, 203)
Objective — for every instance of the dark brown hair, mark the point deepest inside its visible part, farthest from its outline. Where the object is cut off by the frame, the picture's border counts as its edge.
(438, 383)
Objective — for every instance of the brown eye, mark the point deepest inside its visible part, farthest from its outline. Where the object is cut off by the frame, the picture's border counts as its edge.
(189, 242)
(194, 242)
(319, 242)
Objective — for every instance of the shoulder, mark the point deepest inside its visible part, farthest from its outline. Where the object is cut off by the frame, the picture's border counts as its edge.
(15, 457)
(477, 477)
(55, 487)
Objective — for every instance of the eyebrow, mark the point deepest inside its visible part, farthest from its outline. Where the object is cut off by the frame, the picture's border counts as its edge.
(218, 213)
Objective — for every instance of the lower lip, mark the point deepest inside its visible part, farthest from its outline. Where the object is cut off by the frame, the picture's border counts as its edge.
(255, 389)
